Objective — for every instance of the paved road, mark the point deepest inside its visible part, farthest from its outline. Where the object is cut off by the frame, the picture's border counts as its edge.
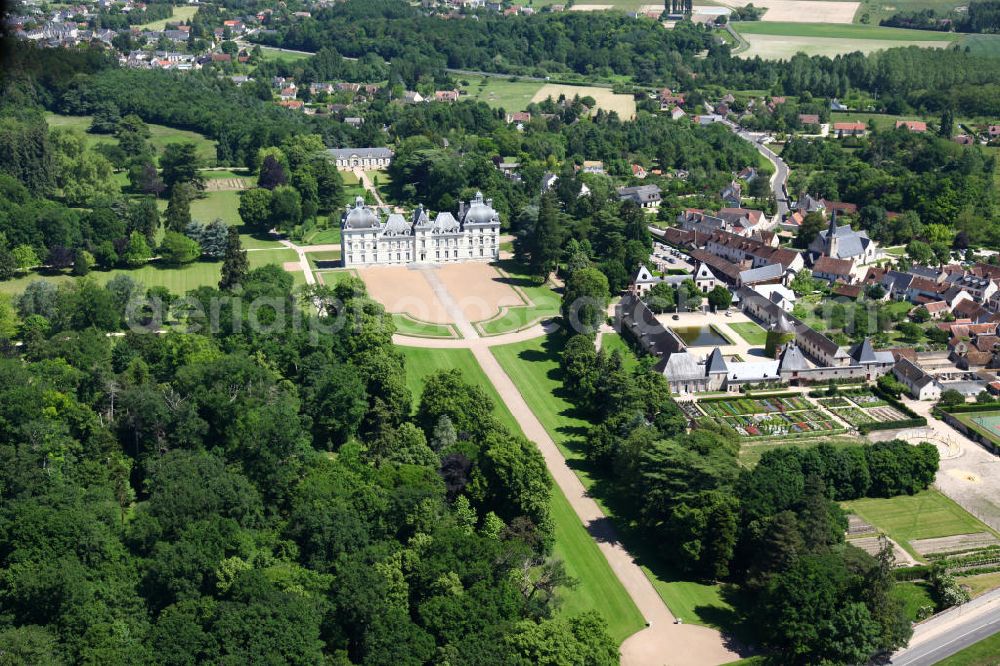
(779, 181)
(952, 631)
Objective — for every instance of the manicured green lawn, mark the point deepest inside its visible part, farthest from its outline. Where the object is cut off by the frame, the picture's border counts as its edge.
(751, 332)
(544, 303)
(264, 257)
(178, 280)
(323, 236)
(598, 588)
(325, 256)
(611, 342)
(842, 31)
(981, 583)
(533, 366)
(926, 515)
(222, 204)
(914, 597)
(983, 653)
(250, 242)
(409, 326)
(750, 453)
(160, 135)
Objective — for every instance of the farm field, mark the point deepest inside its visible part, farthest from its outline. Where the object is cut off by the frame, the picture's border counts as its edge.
(161, 135)
(533, 366)
(781, 41)
(987, 45)
(880, 9)
(605, 5)
(598, 589)
(544, 303)
(926, 515)
(500, 93)
(624, 105)
(751, 332)
(806, 11)
(180, 13)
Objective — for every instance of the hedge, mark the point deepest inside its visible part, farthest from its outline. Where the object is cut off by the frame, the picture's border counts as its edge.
(916, 572)
(866, 428)
(963, 409)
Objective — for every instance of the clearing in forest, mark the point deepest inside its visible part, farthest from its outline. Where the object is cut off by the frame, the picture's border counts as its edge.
(624, 105)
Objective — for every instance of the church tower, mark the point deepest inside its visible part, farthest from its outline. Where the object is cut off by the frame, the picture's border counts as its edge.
(831, 236)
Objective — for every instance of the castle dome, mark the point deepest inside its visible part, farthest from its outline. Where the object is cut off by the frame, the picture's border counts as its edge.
(360, 216)
(480, 212)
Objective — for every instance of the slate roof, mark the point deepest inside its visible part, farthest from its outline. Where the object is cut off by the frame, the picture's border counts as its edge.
(716, 362)
(913, 373)
(792, 359)
(761, 274)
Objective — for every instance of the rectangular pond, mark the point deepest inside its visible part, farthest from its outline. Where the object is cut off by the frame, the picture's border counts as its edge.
(700, 336)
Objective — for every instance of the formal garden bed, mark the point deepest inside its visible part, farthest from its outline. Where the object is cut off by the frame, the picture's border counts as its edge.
(862, 407)
(779, 416)
(725, 407)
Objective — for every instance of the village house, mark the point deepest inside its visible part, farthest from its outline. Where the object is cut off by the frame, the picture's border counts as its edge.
(645, 196)
(833, 270)
(668, 99)
(809, 119)
(912, 125)
(446, 95)
(856, 128)
(919, 384)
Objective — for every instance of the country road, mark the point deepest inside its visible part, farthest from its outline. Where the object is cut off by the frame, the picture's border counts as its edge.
(779, 181)
(951, 631)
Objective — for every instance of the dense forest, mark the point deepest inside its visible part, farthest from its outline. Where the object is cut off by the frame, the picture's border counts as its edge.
(611, 46)
(945, 191)
(774, 533)
(242, 495)
(981, 16)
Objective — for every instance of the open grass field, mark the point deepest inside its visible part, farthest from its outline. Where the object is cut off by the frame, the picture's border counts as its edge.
(750, 453)
(983, 653)
(160, 135)
(605, 5)
(986, 45)
(854, 31)
(780, 41)
(751, 332)
(181, 13)
(222, 204)
(279, 55)
(926, 515)
(509, 94)
(624, 105)
(877, 10)
(178, 280)
(533, 366)
(598, 588)
(981, 583)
